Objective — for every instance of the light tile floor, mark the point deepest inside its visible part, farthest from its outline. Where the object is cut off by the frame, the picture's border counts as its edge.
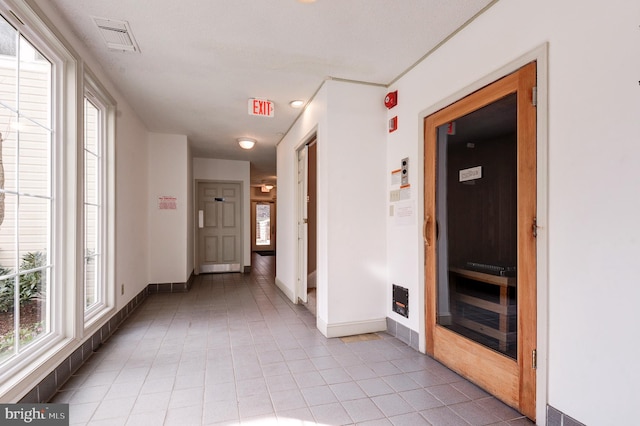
(235, 350)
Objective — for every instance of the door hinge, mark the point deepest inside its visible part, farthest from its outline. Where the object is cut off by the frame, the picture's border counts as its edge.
(534, 227)
(534, 96)
(534, 359)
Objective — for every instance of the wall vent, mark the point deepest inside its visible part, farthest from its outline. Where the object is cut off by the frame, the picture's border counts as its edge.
(116, 34)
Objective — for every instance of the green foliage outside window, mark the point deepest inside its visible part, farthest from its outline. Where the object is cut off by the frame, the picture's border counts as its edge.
(30, 283)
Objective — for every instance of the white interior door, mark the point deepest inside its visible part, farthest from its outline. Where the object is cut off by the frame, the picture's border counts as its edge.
(219, 227)
(302, 224)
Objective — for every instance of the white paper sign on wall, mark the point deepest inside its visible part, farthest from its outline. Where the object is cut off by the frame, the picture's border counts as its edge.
(167, 203)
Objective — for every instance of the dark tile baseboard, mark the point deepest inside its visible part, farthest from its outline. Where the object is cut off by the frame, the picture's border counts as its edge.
(403, 333)
(47, 388)
(556, 417)
(172, 287)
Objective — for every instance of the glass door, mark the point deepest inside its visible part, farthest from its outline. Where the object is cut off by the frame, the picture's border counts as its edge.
(476, 202)
(480, 193)
(264, 235)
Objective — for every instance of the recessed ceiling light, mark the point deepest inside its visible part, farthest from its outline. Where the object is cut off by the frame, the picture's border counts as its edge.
(306, 1)
(296, 104)
(246, 143)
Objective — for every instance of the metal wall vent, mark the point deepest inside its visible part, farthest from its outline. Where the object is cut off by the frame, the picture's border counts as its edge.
(117, 35)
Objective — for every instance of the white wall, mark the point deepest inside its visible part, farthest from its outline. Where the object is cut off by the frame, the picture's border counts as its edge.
(351, 271)
(230, 170)
(592, 233)
(168, 235)
(132, 256)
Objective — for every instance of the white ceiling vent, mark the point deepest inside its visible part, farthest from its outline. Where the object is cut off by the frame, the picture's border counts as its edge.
(117, 35)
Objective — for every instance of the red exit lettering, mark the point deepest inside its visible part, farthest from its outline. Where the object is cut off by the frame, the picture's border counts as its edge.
(261, 107)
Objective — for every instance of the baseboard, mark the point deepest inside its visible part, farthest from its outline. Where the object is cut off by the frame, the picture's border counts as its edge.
(286, 290)
(556, 417)
(182, 287)
(352, 328)
(47, 388)
(403, 333)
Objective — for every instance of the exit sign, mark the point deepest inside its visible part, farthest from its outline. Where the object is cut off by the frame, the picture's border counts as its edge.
(261, 107)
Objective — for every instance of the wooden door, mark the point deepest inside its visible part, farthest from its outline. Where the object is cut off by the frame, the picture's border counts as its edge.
(219, 227)
(480, 250)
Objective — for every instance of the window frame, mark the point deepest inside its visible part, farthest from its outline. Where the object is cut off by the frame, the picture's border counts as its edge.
(63, 121)
(68, 324)
(99, 97)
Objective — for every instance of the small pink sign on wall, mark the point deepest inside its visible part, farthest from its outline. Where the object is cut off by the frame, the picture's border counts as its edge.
(167, 203)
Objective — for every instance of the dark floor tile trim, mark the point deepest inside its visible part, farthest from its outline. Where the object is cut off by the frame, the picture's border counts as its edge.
(556, 417)
(403, 333)
(172, 287)
(46, 389)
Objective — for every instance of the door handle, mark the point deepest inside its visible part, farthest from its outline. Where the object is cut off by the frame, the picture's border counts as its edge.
(427, 218)
(200, 218)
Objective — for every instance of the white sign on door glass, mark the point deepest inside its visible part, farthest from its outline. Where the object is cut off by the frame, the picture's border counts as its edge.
(470, 174)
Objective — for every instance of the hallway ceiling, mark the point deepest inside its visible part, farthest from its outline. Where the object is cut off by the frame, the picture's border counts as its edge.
(201, 60)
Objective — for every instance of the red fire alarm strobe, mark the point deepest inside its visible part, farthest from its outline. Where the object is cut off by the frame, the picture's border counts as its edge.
(393, 124)
(391, 99)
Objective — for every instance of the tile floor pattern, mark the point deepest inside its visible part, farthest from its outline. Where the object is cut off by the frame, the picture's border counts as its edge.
(235, 350)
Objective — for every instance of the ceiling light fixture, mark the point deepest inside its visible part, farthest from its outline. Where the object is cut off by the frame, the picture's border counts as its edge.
(246, 143)
(296, 104)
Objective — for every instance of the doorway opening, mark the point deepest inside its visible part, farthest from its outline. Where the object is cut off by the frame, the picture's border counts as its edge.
(263, 230)
(307, 224)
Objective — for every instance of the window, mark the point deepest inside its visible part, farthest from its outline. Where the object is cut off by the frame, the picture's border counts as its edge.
(26, 194)
(57, 198)
(93, 288)
(97, 157)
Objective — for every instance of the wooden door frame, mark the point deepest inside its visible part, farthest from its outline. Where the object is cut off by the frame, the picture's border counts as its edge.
(539, 54)
(516, 383)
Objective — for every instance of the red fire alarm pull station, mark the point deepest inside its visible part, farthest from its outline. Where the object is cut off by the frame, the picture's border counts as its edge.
(391, 99)
(393, 124)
